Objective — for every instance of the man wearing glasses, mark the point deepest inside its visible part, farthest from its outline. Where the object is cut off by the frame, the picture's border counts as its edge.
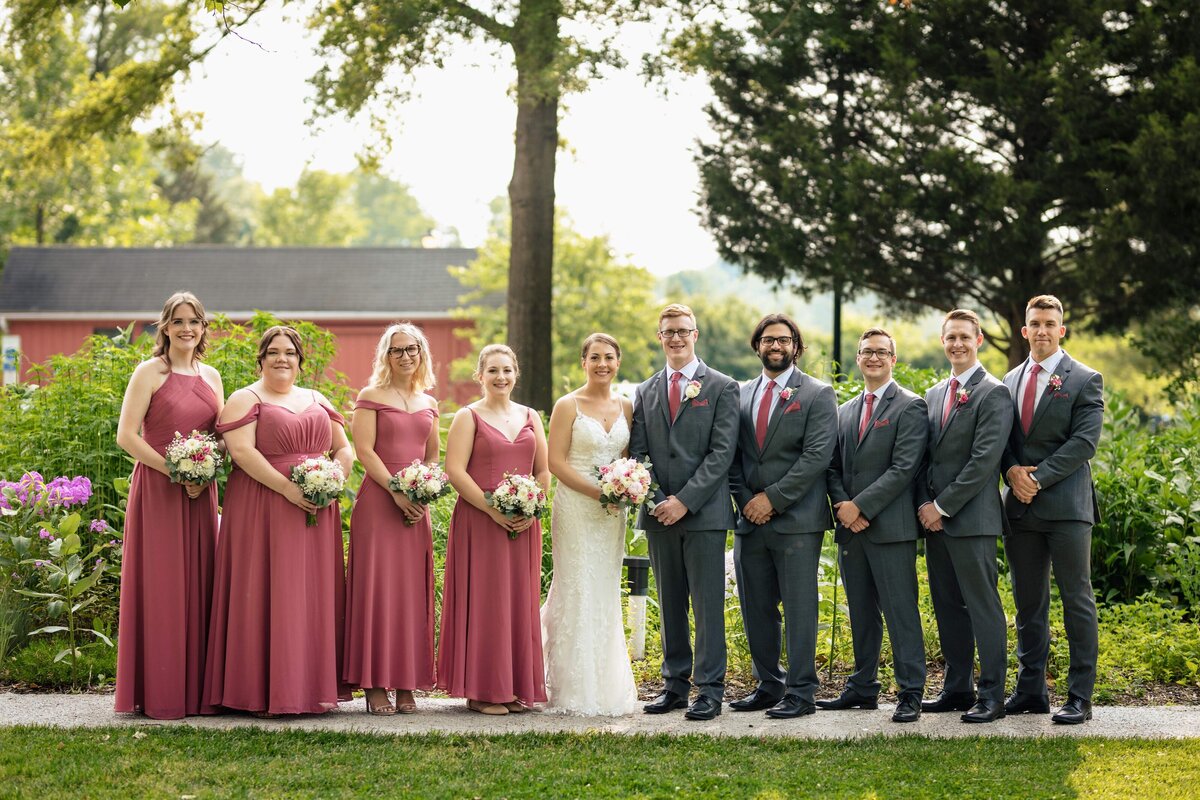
(785, 439)
(880, 445)
(685, 423)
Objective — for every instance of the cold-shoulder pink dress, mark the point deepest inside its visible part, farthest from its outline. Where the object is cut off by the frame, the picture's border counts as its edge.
(490, 647)
(167, 566)
(275, 639)
(389, 583)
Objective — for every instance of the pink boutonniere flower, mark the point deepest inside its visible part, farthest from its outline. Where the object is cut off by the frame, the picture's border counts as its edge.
(962, 397)
(692, 390)
(1055, 383)
(786, 394)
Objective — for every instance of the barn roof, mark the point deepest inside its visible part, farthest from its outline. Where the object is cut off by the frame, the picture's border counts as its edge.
(303, 282)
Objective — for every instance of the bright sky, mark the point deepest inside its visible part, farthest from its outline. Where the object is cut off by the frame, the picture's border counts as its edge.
(627, 173)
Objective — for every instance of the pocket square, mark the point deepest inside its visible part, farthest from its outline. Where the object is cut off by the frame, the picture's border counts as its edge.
(795, 406)
(880, 423)
(700, 403)
(1061, 395)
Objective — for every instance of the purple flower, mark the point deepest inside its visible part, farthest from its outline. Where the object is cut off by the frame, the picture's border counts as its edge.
(45, 534)
(98, 526)
(39, 564)
(66, 492)
(113, 543)
(99, 561)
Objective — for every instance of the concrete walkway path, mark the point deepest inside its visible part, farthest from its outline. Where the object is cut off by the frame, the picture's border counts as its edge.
(452, 717)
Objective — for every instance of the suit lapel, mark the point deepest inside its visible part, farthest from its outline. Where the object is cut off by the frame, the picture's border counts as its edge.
(660, 394)
(876, 412)
(781, 406)
(747, 405)
(1064, 371)
(969, 388)
(684, 402)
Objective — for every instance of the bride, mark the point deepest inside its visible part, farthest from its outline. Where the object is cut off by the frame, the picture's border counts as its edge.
(587, 665)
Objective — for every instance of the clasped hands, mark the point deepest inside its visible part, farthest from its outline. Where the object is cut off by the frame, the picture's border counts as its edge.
(759, 509)
(411, 511)
(1024, 487)
(851, 516)
(669, 511)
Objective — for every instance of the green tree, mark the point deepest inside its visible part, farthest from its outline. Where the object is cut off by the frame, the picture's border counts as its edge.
(957, 153)
(593, 291)
(391, 216)
(320, 210)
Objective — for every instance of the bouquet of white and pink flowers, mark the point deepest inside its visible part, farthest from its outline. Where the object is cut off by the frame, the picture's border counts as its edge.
(420, 482)
(517, 495)
(321, 480)
(194, 458)
(625, 483)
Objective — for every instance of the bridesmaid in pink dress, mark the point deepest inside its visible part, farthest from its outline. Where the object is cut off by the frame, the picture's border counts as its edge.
(389, 584)
(275, 638)
(490, 650)
(170, 529)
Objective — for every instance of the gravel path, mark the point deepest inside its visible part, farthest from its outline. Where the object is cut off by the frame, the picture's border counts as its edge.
(452, 717)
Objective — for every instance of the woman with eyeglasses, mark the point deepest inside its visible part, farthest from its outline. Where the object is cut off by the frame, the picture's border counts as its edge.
(389, 610)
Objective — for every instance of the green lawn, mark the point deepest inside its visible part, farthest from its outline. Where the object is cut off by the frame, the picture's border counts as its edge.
(176, 762)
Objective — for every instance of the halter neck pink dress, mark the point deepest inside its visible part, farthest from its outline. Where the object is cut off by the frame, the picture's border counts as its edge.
(275, 638)
(167, 566)
(389, 583)
(491, 642)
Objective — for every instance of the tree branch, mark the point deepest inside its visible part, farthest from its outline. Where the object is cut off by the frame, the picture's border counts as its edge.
(488, 23)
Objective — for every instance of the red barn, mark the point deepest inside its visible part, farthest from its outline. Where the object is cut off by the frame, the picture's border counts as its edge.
(52, 298)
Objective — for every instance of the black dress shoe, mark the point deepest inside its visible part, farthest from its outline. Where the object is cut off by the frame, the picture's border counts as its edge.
(1076, 711)
(948, 701)
(790, 707)
(908, 709)
(1024, 703)
(704, 708)
(985, 711)
(849, 699)
(755, 701)
(667, 701)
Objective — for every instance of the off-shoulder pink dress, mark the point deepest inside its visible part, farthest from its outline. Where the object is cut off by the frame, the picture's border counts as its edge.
(167, 566)
(275, 638)
(491, 642)
(389, 583)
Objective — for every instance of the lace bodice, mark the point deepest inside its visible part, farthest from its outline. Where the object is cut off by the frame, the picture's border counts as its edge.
(592, 447)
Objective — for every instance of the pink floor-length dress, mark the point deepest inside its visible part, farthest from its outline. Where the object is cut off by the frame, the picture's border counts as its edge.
(167, 566)
(275, 639)
(389, 582)
(490, 647)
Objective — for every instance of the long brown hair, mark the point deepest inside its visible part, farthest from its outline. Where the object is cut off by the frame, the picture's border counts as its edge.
(162, 343)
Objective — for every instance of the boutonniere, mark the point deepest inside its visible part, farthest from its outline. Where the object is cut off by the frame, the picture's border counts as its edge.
(962, 397)
(786, 394)
(1055, 383)
(692, 390)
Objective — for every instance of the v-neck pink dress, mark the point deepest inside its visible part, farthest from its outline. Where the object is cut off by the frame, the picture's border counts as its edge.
(275, 638)
(167, 566)
(490, 647)
(389, 582)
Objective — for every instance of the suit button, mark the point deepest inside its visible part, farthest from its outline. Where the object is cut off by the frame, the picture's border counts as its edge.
(673, 455)
(845, 552)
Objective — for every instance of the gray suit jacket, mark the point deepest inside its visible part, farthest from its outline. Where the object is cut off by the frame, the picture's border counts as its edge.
(791, 466)
(878, 472)
(962, 466)
(1062, 439)
(691, 457)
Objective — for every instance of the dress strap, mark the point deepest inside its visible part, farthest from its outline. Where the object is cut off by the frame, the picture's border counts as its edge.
(333, 415)
(250, 416)
(251, 391)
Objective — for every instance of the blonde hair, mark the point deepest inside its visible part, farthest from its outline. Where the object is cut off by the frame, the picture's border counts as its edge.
(162, 343)
(491, 350)
(381, 374)
(676, 310)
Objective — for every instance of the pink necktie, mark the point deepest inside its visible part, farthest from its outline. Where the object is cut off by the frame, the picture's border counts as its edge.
(951, 399)
(764, 414)
(862, 426)
(1030, 396)
(675, 396)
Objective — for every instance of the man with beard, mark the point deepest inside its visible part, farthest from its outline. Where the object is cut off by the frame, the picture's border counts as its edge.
(785, 440)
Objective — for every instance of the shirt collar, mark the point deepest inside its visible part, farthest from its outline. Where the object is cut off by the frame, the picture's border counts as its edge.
(688, 370)
(1050, 365)
(880, 392)
(782, 380)
(965, 377)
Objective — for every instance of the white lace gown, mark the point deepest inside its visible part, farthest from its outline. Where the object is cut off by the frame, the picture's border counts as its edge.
(587, 663)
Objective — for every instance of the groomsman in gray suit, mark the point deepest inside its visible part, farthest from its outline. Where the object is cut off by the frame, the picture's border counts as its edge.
(685, 421)
(785, 440)
(881, 441)
(970, 416)
(1050, 503)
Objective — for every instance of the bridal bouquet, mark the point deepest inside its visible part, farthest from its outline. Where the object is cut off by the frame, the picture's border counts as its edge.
(321, 480)
(194, 458)
(421, 482)
(625, 483)
(517, 495)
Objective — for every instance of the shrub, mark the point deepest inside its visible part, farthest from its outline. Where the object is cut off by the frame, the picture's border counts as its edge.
(35, 666)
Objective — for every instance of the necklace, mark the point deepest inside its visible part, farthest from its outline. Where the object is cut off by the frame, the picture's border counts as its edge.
(402, 396)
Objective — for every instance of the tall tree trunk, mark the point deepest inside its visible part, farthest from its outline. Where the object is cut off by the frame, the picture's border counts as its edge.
(531, 194)
(39, 224)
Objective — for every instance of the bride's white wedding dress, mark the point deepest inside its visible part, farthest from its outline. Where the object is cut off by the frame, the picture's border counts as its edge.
(587, 663)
